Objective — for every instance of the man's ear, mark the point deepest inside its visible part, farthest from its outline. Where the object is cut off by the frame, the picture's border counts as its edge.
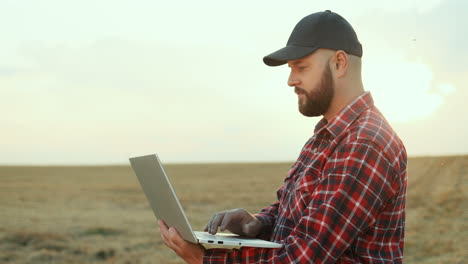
(340, 63)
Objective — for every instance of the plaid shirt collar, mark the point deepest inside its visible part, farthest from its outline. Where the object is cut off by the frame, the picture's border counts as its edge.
(346, 117)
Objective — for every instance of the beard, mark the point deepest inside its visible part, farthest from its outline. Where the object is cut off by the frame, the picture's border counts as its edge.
(318, 101)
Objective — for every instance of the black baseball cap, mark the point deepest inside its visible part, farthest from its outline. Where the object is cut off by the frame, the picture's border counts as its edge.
(318, 30)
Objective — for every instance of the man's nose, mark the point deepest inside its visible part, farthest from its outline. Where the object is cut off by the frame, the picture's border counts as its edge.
(292, 80)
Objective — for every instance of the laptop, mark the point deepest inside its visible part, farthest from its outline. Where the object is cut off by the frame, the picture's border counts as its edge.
(163, 200)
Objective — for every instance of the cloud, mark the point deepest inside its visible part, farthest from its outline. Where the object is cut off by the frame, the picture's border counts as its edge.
(405, 90)
(190, 82)
(9, 71)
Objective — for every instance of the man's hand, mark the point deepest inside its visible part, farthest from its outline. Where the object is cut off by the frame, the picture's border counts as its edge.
(191, 253)
(237, 221)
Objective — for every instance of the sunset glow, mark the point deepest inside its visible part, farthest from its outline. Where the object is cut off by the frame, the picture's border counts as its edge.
(95, 82)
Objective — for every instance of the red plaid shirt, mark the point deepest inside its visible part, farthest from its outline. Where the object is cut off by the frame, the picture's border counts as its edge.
(343, 200)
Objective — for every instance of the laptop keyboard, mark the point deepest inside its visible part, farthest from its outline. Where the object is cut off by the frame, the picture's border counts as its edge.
(219, 236)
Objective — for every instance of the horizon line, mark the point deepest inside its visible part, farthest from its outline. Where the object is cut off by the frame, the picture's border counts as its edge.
(110, 164)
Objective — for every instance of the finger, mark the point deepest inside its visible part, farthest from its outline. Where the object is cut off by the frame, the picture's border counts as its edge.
(211, 222)
(172, 239)
(175, 237)
(164, 234)
(163, 228)
(164, 239)
(208, 226)
(162, 225)
(217, 221)
(179, 244)
(226, 221)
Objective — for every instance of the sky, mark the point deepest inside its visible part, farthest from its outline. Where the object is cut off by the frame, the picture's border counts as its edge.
(96, 82)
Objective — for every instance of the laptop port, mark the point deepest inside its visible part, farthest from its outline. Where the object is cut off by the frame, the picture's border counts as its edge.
(220, 242)
(210, 241)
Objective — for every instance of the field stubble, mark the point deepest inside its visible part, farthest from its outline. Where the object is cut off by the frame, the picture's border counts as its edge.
(99, 214)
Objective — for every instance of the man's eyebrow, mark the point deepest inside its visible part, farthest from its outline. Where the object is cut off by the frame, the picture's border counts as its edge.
(295, 63)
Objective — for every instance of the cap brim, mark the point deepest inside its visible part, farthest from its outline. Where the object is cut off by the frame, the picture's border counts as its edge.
(287, 53)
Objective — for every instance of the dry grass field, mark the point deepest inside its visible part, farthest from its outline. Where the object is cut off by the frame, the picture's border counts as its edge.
(100, 215)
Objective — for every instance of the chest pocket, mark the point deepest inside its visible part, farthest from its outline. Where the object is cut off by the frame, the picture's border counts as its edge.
(306, 190)
(302, 182)
(308, 180)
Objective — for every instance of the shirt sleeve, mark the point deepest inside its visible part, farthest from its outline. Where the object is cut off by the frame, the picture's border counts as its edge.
(356, 183)
(267, 217)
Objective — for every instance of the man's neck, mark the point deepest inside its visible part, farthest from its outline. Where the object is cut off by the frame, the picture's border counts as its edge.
(342, 99)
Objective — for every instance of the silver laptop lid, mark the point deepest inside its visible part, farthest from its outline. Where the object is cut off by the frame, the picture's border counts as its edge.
(161, 195)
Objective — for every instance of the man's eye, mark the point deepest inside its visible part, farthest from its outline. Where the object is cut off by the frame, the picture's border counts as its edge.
(302, 68)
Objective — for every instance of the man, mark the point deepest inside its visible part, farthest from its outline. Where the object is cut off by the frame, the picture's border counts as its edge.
(343, 200)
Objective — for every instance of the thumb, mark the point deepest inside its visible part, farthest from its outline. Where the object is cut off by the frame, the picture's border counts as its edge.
(175, 237)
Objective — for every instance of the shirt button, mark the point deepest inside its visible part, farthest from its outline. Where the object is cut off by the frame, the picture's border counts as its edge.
(315, 150)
